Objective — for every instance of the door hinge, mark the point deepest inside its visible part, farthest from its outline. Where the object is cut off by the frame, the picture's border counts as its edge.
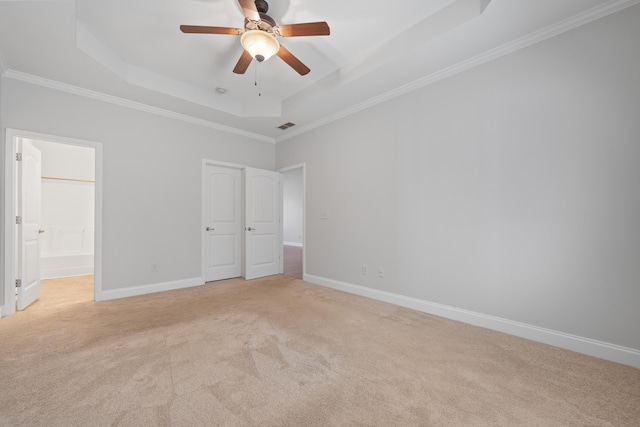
(18, 283)
(18, 157)
(18, 220)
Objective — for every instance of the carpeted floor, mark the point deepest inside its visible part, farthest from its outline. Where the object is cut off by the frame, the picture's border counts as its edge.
(282, 352)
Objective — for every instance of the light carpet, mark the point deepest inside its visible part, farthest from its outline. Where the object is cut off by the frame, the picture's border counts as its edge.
(282, 352)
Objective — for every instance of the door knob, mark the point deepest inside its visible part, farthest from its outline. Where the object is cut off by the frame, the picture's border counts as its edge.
(211, 229)
(251, 229)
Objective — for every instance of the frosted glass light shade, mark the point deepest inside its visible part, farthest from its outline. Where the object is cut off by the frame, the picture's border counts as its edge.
(260, 44)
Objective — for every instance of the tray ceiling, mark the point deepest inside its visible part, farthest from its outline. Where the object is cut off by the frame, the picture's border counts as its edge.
(132, 52)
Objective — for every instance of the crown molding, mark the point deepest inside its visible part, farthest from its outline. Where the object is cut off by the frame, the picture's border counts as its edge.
(75, 90)
(553, 30)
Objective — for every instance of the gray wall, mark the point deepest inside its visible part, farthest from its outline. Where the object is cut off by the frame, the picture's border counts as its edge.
(510, 189)
(152, 177)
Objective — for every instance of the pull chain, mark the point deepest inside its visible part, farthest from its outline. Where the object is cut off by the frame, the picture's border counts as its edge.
(257, 82)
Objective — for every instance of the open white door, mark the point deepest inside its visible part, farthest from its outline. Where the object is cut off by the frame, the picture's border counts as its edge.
(263, 244)
(222, 223)
(28, 248)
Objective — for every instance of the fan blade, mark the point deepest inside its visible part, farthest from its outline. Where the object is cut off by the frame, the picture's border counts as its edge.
(308, 29)
(249, 9)
(210, 30)
(293, 62)
(243, 63)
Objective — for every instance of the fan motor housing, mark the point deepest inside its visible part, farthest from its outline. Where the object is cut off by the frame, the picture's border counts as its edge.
(262, 6)
(266, 23)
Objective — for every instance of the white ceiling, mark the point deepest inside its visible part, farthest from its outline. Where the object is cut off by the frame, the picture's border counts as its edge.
(132, 52)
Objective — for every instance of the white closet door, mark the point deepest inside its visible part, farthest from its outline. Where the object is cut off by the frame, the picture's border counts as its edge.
(263, 243)
(223, 223)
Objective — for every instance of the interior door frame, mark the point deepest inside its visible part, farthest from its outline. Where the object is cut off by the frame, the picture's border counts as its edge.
(302, 166)
(203, 258)
(10, 273)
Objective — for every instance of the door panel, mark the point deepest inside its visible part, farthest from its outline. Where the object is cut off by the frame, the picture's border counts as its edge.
(223, 223)
(262, 249)
(29, 194)
(262, 233)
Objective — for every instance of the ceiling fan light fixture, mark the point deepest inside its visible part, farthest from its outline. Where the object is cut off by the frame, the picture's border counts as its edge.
(260, 44)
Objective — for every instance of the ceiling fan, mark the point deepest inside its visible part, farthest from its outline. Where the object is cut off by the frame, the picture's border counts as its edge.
(258, 38)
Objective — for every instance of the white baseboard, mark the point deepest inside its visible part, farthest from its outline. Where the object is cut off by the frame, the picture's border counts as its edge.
(67, 272)
(602, 350)
(66, 265)
(292, 244)
(133, 291)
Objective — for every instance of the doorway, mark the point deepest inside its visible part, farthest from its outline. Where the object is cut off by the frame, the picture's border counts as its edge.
(67, 206)
(69, 218)
(293, 196)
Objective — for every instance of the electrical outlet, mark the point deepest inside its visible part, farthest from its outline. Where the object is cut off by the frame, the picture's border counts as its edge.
(380, 271)
(154, 266)
(365, 270)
